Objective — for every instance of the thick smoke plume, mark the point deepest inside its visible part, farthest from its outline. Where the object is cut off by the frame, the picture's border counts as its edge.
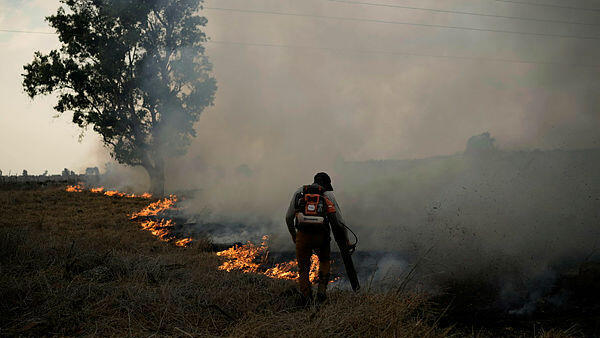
(282, 114)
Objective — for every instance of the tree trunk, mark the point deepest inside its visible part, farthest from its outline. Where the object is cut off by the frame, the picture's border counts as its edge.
(157, 178)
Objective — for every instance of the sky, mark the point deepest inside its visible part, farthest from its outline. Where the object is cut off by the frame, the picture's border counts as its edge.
(30, 138)
(331, 88)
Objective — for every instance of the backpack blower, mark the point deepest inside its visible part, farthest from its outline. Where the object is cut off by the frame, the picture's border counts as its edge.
(346, 251)
(313, 208)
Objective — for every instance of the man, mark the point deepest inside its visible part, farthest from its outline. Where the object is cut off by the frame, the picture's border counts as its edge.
(310, 230)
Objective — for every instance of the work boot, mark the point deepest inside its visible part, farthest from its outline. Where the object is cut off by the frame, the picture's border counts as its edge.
(322, 287)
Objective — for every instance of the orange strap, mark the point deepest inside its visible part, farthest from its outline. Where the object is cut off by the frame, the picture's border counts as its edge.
(330, 206)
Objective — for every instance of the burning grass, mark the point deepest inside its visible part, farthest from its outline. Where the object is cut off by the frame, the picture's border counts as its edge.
(248, 258)
(79, 187)
(161, 228)
(251, 258)
(76, 264)
(74, 188)
(155, 208)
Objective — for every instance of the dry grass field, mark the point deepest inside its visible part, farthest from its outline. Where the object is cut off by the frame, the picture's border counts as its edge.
(75, 264)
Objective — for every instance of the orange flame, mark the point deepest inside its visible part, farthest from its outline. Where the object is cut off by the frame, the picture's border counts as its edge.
(155, 208)
(75, 188)
(114, 193)
(162, 228)
(183, 242)
(79, 188)
(122, 194)
(144, 195)
(250, 258)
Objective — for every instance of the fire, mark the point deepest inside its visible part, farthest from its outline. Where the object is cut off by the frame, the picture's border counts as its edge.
(114, 193)
(79, 188)
(251, 258)
(288, 270)
(75, 188)
(157, 207)
(122, 194)
(161, 228)
(248, 258)
(243, 257)
(183, 242)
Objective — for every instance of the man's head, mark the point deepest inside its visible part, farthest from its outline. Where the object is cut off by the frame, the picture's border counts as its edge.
(323, 180)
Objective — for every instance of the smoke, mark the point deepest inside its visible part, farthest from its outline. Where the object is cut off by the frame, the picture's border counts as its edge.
(123, 178)
(284, 113)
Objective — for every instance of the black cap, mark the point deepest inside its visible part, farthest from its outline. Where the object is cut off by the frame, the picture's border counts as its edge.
(323, 180)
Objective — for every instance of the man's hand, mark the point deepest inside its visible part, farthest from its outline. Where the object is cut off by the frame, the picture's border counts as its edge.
(294, 238)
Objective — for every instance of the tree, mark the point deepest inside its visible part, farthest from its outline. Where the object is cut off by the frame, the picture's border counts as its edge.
(133, 70)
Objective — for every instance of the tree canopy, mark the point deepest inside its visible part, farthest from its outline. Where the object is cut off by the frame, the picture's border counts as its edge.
(133, 70)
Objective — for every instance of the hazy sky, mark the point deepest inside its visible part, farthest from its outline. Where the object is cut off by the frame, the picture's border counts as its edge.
(348, 101)
(30, 138)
